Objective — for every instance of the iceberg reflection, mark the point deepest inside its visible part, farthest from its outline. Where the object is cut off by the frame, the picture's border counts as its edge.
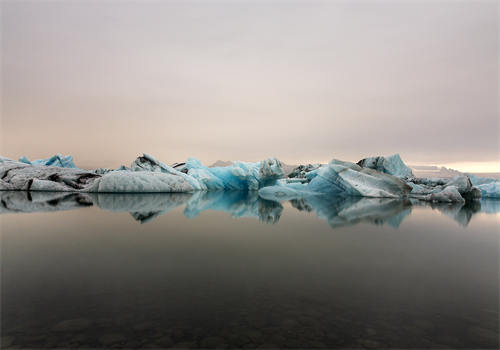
(143, 207)
(336, 211)
(462, 213)
(347, 211)
(31, 202)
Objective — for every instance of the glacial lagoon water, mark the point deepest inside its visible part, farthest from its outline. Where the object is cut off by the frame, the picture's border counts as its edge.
(228, 270)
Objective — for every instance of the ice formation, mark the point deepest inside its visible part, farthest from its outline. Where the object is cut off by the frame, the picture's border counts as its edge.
(146, 174)
(376, 177)
(490, 190)
(456, 189)
(340, 178)
(142, 182)
(392, 165)
(489, 187)
(56, 160)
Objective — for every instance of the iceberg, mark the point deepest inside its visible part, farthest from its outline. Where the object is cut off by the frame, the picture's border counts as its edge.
(21, 176)
(145, 175)
(340, 178)
(376, 177)
(490, 190)
(489, 187)
(456, 189)
(392, 165)
(478, 180)
(56, 160)
(238, 176)
(299, 174)
(142, 182)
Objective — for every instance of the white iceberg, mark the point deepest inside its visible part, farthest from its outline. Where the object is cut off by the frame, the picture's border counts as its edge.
(392, 165)
(21, 176)
(142, 182)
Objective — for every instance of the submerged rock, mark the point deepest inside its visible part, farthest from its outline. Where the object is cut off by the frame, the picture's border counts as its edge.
(73, 325)
(111, 339)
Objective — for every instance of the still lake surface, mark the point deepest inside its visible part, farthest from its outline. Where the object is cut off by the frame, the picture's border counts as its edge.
(228, 270)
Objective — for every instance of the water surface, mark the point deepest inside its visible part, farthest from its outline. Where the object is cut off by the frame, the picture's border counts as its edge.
(229, 270)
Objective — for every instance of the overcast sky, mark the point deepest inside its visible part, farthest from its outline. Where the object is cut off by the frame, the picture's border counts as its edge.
(303, 81)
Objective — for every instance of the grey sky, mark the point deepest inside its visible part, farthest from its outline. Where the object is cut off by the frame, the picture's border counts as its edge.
(302, 81)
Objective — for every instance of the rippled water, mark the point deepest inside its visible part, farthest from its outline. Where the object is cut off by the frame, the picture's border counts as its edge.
(229, 270)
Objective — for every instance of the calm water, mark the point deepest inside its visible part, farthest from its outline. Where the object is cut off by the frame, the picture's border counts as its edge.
(227, 270)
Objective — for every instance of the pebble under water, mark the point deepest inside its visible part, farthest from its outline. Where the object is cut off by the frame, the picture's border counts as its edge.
(239, 272)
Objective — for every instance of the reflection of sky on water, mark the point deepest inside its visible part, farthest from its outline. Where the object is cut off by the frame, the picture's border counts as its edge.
(336, 211)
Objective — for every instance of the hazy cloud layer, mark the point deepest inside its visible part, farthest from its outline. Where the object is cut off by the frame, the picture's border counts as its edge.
(246, 80)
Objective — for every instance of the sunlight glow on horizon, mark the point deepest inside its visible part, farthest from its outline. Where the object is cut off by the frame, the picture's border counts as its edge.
(475, 167)
(466, 167)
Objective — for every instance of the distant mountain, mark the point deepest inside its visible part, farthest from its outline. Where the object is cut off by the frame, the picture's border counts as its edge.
(433, 171)
(287, 168)
(443, 172)
(424, 167)
(221, 163)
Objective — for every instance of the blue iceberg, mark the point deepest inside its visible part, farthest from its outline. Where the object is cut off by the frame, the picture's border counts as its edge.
(489, 187)
(56, 160)
(340, 178)
(490, 190)
(238, 176)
